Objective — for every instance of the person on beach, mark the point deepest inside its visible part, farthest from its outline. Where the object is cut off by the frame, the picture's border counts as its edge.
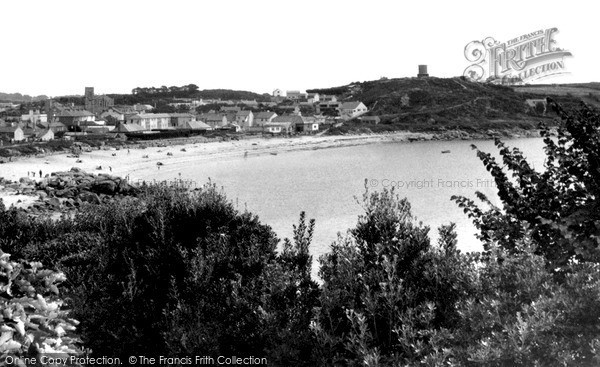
(110, 168)
(40, 173)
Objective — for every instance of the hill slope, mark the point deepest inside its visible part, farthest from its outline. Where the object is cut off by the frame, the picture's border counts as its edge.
(437, 101)
(569, 93)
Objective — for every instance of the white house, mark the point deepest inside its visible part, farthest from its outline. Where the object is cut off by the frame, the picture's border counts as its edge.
(350, 110)
(213, 120)
(308, 125)
(244, 119)
(35, 117)
(262, 118)
(313, 98)
(278, 127)
(151, 121)
(295, 94)
(278, 93)
(119, 113)
(196, 125)
(45, 135)
(283, 124)
(12, 133)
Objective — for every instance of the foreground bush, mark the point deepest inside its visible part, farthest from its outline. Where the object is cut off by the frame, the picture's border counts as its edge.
(559, 207)
(34, 324)
(537, 296)
(178, 273)
(520, 316)
(388, 296)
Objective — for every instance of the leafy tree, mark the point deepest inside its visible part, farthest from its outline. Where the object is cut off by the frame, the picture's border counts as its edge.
(559, 205)
(388, 296)
(292, 301)
(536, 294)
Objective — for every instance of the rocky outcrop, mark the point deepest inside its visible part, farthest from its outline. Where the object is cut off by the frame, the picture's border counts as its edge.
(64, 191)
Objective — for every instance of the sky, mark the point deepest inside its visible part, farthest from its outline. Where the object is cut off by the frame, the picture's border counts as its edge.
(57, 47)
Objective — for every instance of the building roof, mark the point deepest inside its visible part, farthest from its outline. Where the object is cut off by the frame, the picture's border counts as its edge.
(116, 110)
(41, 133)
(265, 115)
(91, 123)
(55, 124)
(294, 119)
(286, 124)
(123, 108)
(211, 117)
(196, 125)
(350, 105)
(9, 129)
(182, 115)
(244, 113)
(129, 128)
(151, 116)
(74, 113)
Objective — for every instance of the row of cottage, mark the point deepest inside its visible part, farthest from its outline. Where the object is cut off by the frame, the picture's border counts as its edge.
(267, 121)
(36, 125)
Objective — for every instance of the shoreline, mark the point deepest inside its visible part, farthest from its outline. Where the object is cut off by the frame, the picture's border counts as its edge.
(147, 160)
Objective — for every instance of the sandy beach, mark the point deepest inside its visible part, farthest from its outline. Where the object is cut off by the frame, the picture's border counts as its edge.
(141, 163)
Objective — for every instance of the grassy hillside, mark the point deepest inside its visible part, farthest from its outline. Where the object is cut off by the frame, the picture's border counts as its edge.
(569, 93)
(438, 102)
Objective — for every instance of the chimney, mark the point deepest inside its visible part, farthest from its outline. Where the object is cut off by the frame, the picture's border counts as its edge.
(422, 71)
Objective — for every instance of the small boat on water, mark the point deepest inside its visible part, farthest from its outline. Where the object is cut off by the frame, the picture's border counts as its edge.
(273, 153)
(445, 151)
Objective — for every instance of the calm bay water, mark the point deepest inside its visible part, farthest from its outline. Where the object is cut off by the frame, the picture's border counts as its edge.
(324, 184)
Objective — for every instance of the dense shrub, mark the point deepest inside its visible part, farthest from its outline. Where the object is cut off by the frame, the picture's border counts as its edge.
(518, 315)
(538, 290)
(560, 205)
(177, 273)
(34, 322)
(388, 295)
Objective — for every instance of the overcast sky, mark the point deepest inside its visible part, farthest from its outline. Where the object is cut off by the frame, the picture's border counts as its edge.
(58, 47)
